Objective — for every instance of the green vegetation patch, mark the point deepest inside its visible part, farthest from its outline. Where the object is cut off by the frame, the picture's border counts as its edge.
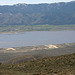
(23, 28)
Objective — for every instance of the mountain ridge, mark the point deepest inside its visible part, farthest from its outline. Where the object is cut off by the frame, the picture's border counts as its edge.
(38, 14)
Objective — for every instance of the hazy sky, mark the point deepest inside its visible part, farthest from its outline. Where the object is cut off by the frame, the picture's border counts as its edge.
(10, 2)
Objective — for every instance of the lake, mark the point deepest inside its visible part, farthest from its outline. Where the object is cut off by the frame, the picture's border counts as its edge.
(35, 38)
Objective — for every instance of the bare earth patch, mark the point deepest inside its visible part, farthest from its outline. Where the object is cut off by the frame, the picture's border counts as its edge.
(51, 46)
(9, 49)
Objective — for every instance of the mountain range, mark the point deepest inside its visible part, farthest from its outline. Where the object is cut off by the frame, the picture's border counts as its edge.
(38, 14)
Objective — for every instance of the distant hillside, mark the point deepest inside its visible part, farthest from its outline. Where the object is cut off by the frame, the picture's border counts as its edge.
(60, 65)
(38, 14)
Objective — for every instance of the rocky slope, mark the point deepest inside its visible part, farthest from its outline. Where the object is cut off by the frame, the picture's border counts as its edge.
(59, 65)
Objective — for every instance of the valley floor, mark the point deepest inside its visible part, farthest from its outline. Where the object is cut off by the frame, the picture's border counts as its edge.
(23, 28)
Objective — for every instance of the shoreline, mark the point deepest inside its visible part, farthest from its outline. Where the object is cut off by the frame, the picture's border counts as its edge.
(45, 50)
(30, 31)
(33, 48)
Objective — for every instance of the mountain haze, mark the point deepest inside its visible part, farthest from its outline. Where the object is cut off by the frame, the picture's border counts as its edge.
(38, 14)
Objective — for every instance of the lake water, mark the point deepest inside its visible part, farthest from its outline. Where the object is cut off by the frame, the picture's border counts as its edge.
(36, 38)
